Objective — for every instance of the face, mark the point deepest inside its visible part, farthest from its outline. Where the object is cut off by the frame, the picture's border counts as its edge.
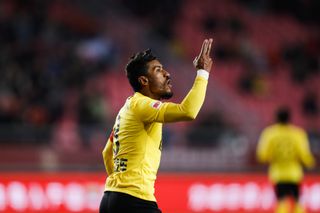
(159, 81)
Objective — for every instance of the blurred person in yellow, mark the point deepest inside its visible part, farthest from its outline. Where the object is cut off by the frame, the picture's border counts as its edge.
(133, 151)
(285, 148)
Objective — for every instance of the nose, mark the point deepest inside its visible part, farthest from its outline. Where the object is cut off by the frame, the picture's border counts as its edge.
(166, 73)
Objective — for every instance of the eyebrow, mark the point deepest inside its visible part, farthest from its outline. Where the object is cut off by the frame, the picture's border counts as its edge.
(158, 66)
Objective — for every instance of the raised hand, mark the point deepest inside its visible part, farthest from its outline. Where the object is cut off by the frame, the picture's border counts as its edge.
(203, 60)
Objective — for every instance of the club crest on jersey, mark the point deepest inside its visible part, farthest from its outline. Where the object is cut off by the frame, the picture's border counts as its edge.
(156, 104)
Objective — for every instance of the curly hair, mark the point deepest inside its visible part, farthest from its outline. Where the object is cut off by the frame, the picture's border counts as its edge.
(138, 66)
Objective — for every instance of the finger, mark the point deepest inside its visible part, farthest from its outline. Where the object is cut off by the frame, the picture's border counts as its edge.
(203, 48)
(209, 46)
(195, 59)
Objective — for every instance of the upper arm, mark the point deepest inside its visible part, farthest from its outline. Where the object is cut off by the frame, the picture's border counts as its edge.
(148, 110)
(155, 111)
(263, 147)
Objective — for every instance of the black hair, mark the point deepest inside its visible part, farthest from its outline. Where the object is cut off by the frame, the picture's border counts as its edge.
(137, 66)
(283, 115)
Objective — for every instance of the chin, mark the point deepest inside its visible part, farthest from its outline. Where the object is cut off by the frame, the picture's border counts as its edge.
(167, 95)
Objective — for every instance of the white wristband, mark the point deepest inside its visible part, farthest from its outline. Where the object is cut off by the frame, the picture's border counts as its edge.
(203, 73)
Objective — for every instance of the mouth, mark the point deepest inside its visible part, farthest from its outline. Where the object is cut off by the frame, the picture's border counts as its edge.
(169, 83)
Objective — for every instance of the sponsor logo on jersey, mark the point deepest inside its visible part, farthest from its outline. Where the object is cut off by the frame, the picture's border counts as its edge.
(156, 104)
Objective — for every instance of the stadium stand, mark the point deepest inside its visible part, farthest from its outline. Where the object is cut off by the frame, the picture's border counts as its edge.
(62, 67)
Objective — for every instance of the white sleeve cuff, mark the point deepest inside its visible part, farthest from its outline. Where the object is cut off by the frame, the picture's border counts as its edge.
(203, 73)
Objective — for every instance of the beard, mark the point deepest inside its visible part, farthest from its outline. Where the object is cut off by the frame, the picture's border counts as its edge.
(167, 95)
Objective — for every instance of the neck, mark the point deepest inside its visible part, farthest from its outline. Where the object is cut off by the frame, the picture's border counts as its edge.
(148, 93)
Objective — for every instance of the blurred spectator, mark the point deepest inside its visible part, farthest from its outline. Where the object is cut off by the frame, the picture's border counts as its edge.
(310, 104)
(153, 13)
(304, 63)
(65, 136)
(208, 131)
(99, 50)
(44, 53)
(251, 82)
(92, 109)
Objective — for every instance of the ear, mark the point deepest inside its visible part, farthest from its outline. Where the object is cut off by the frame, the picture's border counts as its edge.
(143, 80)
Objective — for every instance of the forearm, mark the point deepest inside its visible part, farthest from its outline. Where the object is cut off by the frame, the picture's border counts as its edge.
(262, 156)
(189, 108)
(107, 157)
(308, 159)
(305, 153)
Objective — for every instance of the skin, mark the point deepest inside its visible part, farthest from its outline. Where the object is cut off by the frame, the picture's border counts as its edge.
(157, 83)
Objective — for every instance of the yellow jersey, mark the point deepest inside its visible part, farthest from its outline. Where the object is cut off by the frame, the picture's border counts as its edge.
(286, 149)
(133, 151)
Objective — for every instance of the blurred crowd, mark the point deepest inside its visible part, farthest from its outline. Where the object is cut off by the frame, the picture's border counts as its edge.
(55, 55)
(49, 51)
(44, 54)
(267, 52)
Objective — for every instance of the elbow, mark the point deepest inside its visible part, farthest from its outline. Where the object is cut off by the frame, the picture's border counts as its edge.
(190, 116)
(104, 153)
(191, 113)
(105, 156)
(188, 113)
(310, 164)
(262, 159)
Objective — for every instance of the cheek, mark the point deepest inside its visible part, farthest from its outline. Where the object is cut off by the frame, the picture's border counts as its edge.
(154, 85)
(159, 88)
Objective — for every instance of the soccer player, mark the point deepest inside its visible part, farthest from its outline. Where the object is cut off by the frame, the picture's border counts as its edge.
(286, 148)
(133, 150)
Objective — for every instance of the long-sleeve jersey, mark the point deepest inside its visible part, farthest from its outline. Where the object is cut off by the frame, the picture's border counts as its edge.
(133, 151)
(286, 149)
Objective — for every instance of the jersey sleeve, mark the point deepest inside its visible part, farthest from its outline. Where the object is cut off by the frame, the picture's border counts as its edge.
(108, 155)
(304, 150)
(263, 153)
(150, 110)
(189, 108)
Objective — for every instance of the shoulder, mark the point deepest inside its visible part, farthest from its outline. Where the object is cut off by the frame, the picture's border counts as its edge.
(297, 129)
(270, 128)
(144, 102)
(270, 131)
